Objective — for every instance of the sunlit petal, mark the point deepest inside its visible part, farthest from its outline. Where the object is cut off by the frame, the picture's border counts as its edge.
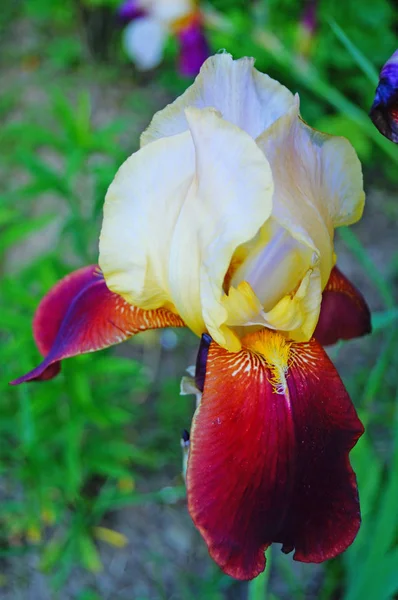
(297, 313)
(244, 96)
(273, 263)
(141, 210)
(212, 221)
(318, 184)
(168, 240)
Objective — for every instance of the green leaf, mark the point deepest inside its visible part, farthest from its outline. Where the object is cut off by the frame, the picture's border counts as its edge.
(88, 595)
(17, 232)
(112, 499)
(52, 552)
(48, 177)
(355, 246)
(363, 63)
(73, 467)
(376, 377)
(7, 215)
(384, 319)
(83, 119)
(109, 468)
(27, 425)
(308, 76)
(258, 587)
(88, 554)
(342, 125)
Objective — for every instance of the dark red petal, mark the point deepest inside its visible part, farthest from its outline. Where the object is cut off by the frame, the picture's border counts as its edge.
(324, 516)
(80, 314)
(269, 455)
(344, 312)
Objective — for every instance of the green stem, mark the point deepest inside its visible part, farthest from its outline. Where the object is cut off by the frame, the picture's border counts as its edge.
(308, 76)
(259, 586)
(362, 61)
(354, 245)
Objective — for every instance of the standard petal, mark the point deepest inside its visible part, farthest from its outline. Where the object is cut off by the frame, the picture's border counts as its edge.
(279, 270)
(344, 313)
(297, 313)
(318, 184)
(213, 221)
(244, 96)
(273, 263)
(272, 282)
(168, 240)
(269, 453)
(141, 209)
(335, 173)
(81, 315)
(143, 41)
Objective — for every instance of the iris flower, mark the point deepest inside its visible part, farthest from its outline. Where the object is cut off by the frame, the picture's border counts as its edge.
(307, 27)
(384, 111)
(223, 222)
(152, 21)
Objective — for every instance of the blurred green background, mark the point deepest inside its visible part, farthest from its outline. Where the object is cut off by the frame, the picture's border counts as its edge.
(91, 497)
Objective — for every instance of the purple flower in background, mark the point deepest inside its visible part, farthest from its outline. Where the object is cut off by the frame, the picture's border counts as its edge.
(150, 22)
(130, 10)
(384, 111)
(194, 48)
(307, 28)
(308, 18)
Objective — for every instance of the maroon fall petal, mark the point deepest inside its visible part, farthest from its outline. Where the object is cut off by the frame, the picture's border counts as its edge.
(54, 306)
(80, 314)
(344, 313)
(324, 515)
(269, 453)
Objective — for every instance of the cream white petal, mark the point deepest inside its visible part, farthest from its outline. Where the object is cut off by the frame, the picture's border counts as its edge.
(297, 314)
(274, 264)
(140, 213)
(175, 214)
(143, 41)
(229, 200)
(244, 96)
(338, 173)
(318, 184)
